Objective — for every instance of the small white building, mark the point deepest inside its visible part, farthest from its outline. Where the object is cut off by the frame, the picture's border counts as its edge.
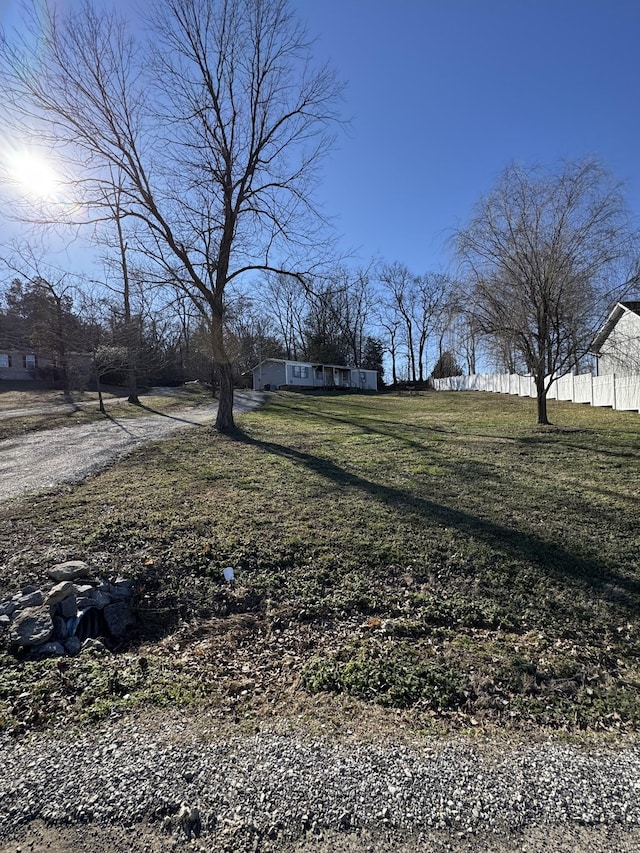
(617, 344)
(274, 373)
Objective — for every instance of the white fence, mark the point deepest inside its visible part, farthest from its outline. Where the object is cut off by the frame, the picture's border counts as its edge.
(618, 392)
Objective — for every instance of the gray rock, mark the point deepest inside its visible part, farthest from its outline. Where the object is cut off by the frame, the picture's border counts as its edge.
(60, 631)
(7, 608)
(122, 588)
(70, 570)
(29, 599)
(100, 599)
(73, 646)
(93, 645)
(189, 819)
(31, 627)
(49, 650)
(5, 620)
(69, 607)
(118, 617)
(59, 592)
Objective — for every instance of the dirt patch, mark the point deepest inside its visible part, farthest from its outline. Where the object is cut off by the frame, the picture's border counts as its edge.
(142, 838)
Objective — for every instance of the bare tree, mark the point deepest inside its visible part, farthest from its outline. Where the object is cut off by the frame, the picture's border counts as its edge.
(390, 324)
(398, 286)
(353, 304)
(416, 304)
(214, 133)
(548, 252)
(433, 315)
(251, 336)
(338, 316)
(286, 301)
(131, 324)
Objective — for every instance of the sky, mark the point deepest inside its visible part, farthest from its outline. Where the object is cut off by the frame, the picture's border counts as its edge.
(443, 94)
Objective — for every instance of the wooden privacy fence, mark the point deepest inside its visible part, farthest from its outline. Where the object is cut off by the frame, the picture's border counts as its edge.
(616, 391)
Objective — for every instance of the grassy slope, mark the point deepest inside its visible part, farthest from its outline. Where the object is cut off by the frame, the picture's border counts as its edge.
(438, 553)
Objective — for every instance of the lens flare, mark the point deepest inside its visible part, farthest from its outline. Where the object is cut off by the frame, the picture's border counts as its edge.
(33, 174)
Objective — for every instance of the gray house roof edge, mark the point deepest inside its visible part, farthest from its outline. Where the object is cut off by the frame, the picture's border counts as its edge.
(612, 321)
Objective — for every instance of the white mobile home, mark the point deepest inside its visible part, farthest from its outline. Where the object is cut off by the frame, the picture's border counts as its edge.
(274, 373)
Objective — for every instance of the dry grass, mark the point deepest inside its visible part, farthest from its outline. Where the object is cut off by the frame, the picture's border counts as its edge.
(441, 555)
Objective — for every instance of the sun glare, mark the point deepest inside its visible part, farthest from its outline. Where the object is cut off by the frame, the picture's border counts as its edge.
(33, 174)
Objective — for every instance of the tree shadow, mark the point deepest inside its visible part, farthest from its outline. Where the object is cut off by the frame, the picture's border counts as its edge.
(533, 440)
(391, 432)
(167, 415)
(552, 559)
(117, 423)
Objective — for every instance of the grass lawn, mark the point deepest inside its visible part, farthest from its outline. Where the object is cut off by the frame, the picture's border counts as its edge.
(435, 560)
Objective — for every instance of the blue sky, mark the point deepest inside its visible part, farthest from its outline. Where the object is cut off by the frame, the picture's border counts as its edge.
(443, 94)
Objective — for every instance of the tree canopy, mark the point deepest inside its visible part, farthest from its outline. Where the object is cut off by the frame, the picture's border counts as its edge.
(546, 253)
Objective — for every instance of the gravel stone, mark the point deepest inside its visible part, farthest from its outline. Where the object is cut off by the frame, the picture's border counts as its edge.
(181, 778)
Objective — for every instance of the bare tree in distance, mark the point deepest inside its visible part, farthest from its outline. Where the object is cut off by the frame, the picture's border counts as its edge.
(399, 298)
(118, 275)
(417, 304)
(547, 252)
(340, 308)
(284, 299)
(215, 133)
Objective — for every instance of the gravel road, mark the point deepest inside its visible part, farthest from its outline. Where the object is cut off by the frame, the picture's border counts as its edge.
(40, 461)
(170, 782)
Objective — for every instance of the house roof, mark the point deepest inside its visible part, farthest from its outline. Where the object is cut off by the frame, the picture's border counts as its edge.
(611, 322)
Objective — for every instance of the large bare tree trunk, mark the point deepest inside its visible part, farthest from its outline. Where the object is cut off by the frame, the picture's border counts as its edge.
(224, 418)
(132, 368)
(542, 400)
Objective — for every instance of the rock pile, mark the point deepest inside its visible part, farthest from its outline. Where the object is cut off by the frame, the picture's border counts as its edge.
(78, 610)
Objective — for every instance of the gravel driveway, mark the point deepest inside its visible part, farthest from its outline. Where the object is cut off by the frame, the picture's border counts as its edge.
(40, 461)
(126, 785)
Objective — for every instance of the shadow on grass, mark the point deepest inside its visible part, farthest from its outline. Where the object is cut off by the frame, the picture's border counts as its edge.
(392, 430)
(552, 559)
(167, 415)
(536, 440)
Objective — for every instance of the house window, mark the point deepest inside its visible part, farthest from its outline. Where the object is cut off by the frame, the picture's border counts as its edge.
(30, 362)
(5, 360)
(300, 371)
(363, 376)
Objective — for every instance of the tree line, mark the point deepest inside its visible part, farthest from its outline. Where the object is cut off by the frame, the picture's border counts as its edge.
(188, 152)
(387, 320)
